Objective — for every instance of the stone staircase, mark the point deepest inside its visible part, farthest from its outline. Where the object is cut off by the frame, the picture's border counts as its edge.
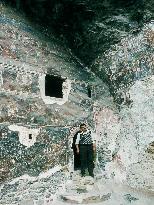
(83, 190)
(87, 190)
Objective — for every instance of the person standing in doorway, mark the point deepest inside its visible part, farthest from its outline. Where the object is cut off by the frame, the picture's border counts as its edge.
(85, 139)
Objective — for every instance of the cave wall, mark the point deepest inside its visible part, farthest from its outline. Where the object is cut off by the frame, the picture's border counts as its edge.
(129, 70)
(36, 129)
(138, 124)
(89, 27)
(123, 121)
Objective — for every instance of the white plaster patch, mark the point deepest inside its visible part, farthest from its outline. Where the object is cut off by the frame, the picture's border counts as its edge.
(27, 136)
(46, 174)
(50, 172)
(1, 79)
(66, 88)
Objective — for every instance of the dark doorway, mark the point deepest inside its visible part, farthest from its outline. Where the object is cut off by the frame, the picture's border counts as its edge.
(53, 86)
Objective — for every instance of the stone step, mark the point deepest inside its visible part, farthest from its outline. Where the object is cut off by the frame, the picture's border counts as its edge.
(83, 190)
(84, 198)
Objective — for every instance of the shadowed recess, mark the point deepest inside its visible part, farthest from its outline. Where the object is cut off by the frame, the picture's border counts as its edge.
(89, 27)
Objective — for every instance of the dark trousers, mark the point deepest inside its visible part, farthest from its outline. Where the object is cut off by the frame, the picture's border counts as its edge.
(77, 162)
(87, 157)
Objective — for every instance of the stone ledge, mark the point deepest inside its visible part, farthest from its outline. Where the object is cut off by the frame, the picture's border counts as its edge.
(84, 198)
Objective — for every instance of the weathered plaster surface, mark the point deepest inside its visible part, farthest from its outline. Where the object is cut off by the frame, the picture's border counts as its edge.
(24, 134)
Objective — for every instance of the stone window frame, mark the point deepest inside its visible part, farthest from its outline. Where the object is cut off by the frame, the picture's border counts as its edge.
(66, 88)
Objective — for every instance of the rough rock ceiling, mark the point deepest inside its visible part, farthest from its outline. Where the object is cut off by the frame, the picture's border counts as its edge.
(89, 27)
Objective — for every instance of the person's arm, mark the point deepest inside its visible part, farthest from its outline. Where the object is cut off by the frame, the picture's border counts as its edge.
(77, 142)
(94, 146)
(77, 148)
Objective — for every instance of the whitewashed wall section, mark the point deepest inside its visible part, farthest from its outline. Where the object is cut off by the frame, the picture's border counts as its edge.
(26, 135)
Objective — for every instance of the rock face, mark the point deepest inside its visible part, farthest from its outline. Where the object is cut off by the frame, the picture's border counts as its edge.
(141, 120)
(45, 93)
(126, 62)
(129, 69)
(33, 190)
(89, 27)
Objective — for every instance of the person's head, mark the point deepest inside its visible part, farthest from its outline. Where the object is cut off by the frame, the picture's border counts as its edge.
(83, 127)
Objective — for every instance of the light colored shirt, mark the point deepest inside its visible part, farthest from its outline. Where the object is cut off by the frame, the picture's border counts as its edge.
(93, 136)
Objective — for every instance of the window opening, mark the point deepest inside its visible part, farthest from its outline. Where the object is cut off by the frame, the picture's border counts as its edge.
(30, 136)
(89, 91)
(53, 86)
